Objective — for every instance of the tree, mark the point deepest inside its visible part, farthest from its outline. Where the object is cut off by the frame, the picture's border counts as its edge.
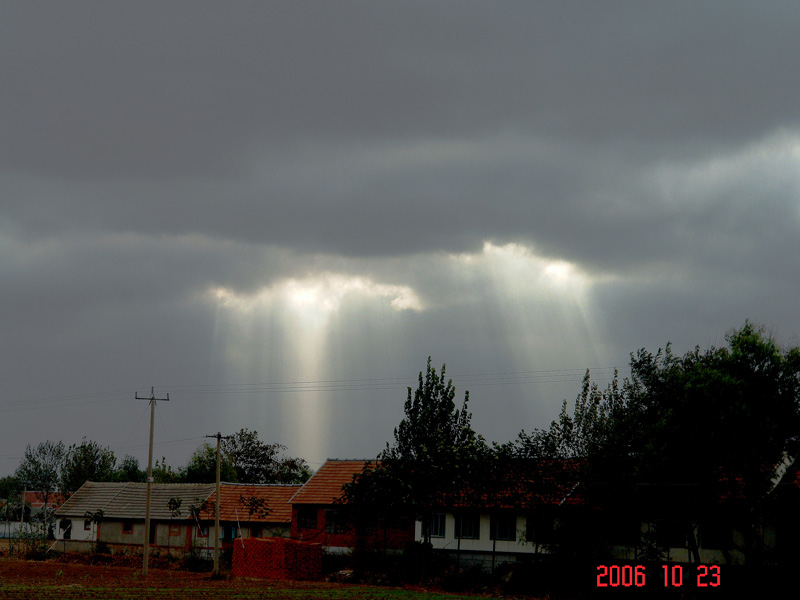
(257, 462)
(202, 467)
(128, 470)
(11, 492)
(164, 473)
(695, 437)
(87, 461)
(435, 458)
(41, 469)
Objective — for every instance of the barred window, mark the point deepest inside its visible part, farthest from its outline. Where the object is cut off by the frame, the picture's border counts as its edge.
(468, 526)
(334, 521)
(437, 525)
(307, 518)
(503, 527)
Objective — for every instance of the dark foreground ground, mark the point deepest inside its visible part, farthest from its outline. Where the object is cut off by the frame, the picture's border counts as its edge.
(57, 580)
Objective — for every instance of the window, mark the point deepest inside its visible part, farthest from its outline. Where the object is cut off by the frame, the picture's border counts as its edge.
(437, 525)
(540, 529)
(127, 527)
(468, 526)
(202, 530)
(623, 531)
(670, 534)
(228, 532)
(306, 518)
(334, 521)
(366, 525)
(503, 527)
(87, 524)
(174, 529)
(716, 534)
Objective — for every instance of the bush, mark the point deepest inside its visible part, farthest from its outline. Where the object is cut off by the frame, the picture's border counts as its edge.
(102, 548)
(31, 542)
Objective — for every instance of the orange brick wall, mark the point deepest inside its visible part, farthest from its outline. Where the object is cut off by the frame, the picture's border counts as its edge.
(393, 538)
(277, 558)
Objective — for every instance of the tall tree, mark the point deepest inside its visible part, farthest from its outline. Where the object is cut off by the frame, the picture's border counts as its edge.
(41, 469)
(87, 461)
(436, 455)
(258, 462)
(11, 494)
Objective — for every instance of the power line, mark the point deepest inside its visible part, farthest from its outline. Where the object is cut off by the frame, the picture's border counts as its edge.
(463, 380)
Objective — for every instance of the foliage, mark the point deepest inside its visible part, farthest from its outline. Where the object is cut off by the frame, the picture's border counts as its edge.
(436, 456)
(96, 518)
(163, 473)
(128, 470)
(41, 469)
(11, 493)
(87, 461)
(30, 541)
(199, 507)
(255, 506)
(202, 467)
(174, 506)
(690, 437)
(257, 462)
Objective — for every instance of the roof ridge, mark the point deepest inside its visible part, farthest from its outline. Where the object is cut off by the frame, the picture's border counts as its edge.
(261, 484)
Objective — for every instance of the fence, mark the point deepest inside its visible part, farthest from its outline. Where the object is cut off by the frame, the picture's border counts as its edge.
(277, 558)
(11, 529)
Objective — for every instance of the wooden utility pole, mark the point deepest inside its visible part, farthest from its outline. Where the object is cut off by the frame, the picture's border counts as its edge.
(146, 554)
(216, 508)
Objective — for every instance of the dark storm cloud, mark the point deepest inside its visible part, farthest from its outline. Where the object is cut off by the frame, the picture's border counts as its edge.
(155, 152)
(160, 90)
(268, 123)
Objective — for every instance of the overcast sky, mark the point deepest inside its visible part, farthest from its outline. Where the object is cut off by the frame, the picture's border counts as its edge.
(275, 212)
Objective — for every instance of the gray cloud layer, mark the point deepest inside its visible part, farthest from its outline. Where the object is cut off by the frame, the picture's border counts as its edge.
(153, 153)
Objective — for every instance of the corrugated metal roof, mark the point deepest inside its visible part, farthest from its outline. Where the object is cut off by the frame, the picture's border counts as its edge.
(275, 496)
(128, 500)
(325, 486)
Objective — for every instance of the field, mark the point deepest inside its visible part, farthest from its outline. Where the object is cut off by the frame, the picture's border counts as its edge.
(56, 580)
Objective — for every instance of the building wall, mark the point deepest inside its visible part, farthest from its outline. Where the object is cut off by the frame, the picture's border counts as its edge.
(77, 530)
(484, 543)
(392, 538)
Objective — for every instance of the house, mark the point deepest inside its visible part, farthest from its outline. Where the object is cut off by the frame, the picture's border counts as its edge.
(122, 520)
(181, 514)
(251, 510)
(515, 516)
(319, 516)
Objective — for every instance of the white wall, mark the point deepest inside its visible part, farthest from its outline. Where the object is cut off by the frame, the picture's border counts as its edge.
(484, 543)
(77, 532)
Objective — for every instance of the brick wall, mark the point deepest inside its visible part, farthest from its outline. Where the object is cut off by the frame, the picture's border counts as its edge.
(394, 537)
(277, 558)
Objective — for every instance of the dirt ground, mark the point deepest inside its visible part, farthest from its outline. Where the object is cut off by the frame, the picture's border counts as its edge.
(62, 579)
(60, 572)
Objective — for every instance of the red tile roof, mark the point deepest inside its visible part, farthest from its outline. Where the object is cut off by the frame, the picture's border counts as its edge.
(325, 486)
(276, 497)
(34, 499)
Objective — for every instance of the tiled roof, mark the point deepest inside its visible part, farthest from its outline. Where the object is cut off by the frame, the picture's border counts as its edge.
(325, 486)
(128, 500)
(34, 499)
(276, 496)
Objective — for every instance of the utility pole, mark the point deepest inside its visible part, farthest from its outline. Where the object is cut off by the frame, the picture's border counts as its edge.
(216, 507)
(152, 400)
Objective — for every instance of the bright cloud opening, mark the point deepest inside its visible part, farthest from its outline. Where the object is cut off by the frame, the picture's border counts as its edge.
(282, 332)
